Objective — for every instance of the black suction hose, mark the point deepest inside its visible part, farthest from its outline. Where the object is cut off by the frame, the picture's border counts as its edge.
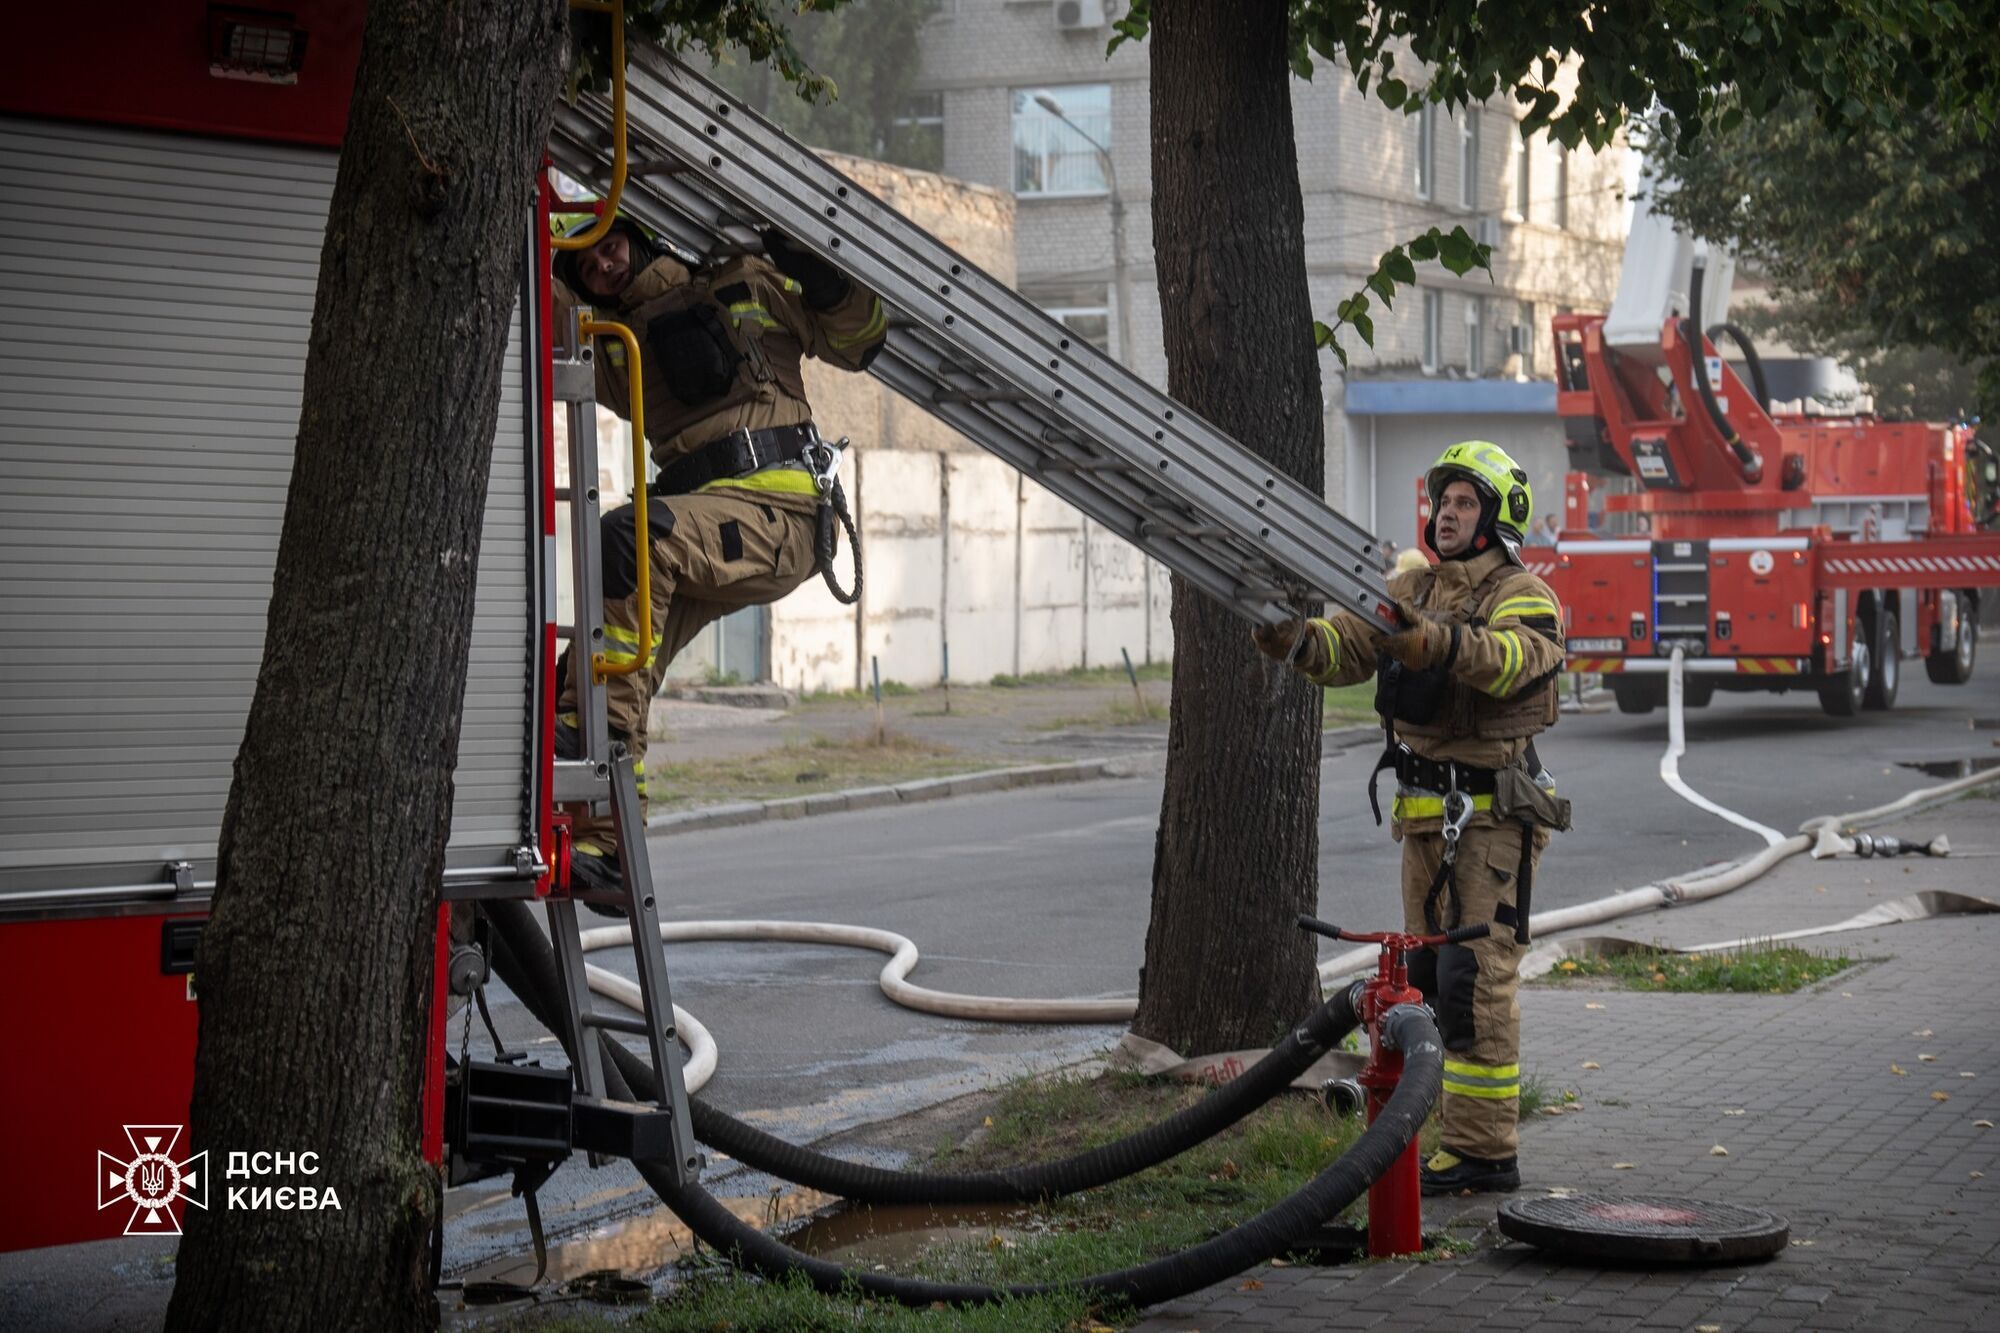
(1747, 461)
(1751, 361)
(527, 964)
(525, 961)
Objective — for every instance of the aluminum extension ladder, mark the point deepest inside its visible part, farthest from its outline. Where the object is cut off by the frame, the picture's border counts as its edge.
(705, 172)
(605, 772)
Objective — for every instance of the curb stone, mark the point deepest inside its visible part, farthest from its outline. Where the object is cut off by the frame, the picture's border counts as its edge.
(917, 791)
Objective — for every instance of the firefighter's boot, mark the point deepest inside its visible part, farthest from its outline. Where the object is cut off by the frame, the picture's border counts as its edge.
(1448, 1172)
(593, 853)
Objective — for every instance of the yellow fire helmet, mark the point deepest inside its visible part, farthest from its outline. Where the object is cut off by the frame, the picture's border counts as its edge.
(1506, 502)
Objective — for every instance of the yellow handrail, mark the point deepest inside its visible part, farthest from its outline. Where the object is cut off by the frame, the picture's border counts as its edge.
(601, 667)
(615, 8)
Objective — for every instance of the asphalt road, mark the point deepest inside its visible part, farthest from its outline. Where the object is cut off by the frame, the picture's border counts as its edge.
(1043, 892)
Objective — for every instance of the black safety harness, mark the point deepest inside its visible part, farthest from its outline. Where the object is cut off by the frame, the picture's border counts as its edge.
(744, 451)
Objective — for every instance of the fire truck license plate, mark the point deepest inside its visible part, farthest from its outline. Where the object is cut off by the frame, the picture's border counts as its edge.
(1596, 645)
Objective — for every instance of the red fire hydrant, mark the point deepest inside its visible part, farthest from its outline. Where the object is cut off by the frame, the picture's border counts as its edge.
(1395, 1201)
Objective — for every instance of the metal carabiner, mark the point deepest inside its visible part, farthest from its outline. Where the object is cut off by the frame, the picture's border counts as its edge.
(1457, 814)
(822, 460)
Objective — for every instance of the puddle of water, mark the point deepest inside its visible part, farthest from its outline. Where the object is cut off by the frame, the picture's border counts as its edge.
(1951, 768)
(643, 1244)
(898, 1233)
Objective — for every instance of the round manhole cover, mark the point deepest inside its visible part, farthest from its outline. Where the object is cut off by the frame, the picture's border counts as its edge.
(1644, 1228)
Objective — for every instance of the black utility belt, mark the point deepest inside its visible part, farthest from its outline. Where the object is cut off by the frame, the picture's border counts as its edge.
(734, 455)
(1413, 770)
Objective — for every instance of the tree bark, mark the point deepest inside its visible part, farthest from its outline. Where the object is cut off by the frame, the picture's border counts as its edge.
(316, 965)
(1238, 847)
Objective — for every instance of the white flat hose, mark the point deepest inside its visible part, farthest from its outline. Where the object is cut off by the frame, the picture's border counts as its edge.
(1670, 762)
(903, 957)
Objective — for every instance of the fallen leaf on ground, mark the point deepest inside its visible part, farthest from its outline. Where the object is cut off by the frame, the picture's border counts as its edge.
(1923, 1032)
(1718, 1151)
(1982, 1124)
(1593, 1005)
(1250, 1284)
(1736, 1111)
(1592, 1064)
(1553, 1110)
(1940, 1096)
(1928, 1059)
(1622, 1166)
(1803, 1244)
(1977, 1175)
(1280, 1263)
(1967, 1073)
(989, 1122)
(1708, 1328)
(1898, 1070)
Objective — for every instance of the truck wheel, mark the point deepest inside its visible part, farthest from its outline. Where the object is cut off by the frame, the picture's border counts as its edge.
(1634, 696)
(1886, 672)
(1697, 691)
(1841, 695)
(1954, 667)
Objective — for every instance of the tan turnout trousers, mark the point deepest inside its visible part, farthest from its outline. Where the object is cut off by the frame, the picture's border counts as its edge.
(1480, 1108)
(729, 549)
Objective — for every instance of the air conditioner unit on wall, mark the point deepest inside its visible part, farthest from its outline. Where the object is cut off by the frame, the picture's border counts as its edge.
(1081, 15)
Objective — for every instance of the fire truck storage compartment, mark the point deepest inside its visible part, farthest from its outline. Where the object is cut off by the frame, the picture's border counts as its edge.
(1607, 581)
(156, 292)
(1762, 590)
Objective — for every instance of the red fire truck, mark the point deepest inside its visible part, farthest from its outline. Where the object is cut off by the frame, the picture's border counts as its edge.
(1773, 551)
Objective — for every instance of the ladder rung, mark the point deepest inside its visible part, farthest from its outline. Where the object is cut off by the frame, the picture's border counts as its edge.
(631, 1023)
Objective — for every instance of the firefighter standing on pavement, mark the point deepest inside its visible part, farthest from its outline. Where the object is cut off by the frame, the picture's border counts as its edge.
(734, 513)
(1463, 687)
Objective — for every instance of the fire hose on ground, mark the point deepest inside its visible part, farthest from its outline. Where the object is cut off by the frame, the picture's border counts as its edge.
(524, 960)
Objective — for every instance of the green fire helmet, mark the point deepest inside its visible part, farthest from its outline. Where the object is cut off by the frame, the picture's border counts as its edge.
(1506, 502)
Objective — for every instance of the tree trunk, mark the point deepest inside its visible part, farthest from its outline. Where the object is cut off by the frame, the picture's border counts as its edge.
(316, 964)
(1237, 854)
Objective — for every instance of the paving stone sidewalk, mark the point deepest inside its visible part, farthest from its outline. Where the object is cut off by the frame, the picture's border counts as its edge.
(1892, 1193)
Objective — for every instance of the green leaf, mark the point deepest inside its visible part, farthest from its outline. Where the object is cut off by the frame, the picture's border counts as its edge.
(1393, 92)
(1425, 247)
(1398, 266)
(1366, 328)
(1381, 284)
(1322, 334)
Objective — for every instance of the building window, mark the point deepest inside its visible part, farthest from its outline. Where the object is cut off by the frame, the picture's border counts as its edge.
(1475, 336)
(1433, 330)
(1468, 158)
(1561, 185)
(1523, 176)
(1058, 133)
(1084, 308)
(916, 138)
(1426, 151)
(1524, 336)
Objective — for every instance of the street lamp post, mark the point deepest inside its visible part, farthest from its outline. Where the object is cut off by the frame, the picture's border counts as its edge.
(1122, 283)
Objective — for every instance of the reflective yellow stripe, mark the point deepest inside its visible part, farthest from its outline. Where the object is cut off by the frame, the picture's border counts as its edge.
(1331, 638)
(1494, 1094)
(750, 310)
(877, 321)
(1482, 1071)
(1408, 807)
(777, 480)
(1510, 662)
(1525, 606)
(626, 636)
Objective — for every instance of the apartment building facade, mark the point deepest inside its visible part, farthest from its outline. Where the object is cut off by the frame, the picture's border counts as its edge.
(1022, 98)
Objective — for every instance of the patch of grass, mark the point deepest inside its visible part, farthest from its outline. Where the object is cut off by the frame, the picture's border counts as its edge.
(1770, 969)
(724, 1300)
(891, 689)
(1344, 705)
(802, 768)
(1084, 676)
(1122, 711)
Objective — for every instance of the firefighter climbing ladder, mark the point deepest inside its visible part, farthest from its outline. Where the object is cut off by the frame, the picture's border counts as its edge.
(706, 173)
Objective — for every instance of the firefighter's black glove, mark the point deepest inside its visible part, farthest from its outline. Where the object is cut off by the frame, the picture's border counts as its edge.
(821, 284)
